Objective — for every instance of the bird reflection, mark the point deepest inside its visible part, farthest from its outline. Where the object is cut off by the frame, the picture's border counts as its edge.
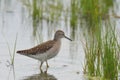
(41, 76)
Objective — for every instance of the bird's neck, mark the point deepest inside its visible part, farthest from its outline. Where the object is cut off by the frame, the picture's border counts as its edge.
(56, 39)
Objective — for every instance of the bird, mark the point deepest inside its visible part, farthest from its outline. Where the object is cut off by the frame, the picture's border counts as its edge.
(46, 50)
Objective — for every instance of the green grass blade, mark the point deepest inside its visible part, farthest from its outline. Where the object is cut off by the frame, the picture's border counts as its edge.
(14, 49)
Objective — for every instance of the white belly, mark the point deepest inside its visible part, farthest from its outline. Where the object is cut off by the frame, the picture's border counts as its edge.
(41, 57)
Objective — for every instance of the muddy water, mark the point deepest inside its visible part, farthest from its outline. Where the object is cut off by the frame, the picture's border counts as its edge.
(14, 19)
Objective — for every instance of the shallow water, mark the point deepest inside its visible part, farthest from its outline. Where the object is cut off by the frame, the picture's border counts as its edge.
(14, 19)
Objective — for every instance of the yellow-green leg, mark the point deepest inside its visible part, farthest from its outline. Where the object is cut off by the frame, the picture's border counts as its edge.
(46, 67)
(47, 64)
(41, 65)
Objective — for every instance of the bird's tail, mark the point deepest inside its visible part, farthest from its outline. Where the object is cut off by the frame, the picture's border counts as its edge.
(23, 52)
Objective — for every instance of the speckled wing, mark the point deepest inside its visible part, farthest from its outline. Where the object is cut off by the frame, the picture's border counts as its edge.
(39, 49)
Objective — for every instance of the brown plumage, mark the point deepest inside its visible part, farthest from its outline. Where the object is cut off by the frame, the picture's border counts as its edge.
(46, 50)
(41, 48)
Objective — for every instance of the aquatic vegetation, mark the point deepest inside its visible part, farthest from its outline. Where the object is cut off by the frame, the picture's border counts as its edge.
(74, 13)
(40, 10)
(101, 54)
(102, 46)
(94, 11)
(12, 53)
(74, 16)
(110, 53)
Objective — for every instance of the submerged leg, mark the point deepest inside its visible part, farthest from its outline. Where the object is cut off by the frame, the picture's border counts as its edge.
(47, 64)
(41, 67)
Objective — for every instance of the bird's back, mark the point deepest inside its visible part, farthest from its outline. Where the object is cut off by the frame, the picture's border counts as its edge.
(42, 48)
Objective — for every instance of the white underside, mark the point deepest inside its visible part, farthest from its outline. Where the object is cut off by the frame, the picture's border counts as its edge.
(43, 57)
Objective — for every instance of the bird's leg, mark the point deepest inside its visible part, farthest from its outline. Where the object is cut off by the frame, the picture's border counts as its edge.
(46, 70)
(41, 65)
(47, 64)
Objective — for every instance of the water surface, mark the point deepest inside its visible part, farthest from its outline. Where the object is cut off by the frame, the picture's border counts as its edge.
(15, 19)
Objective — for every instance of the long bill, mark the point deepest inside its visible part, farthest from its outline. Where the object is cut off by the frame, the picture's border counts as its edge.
(68, 38)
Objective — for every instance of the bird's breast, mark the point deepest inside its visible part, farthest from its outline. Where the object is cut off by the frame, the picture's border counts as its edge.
(54, 50)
